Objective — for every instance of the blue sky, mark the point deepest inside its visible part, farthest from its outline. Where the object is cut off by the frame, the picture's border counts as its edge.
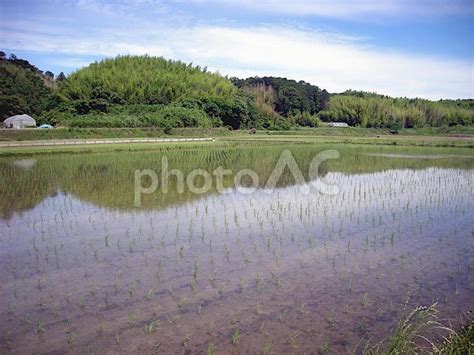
(407, 48)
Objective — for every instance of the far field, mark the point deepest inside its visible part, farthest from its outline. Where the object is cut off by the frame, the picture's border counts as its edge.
(430, 137)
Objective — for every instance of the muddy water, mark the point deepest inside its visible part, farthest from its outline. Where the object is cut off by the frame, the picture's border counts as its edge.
(233, 273)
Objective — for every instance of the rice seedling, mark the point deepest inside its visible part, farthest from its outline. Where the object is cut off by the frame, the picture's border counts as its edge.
(89, 255)
(70, 341)
(330, 317)
(235, 336)
(267, 347)
(293, 340)
(39, 328)
(152, 326)
(100, 330)
(325, 347)
(210, 349)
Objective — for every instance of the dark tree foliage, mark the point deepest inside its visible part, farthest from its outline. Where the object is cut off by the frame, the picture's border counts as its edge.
(22, 89)
(290, 94)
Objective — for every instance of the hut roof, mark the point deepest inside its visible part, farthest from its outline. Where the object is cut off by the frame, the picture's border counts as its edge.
(23, 120)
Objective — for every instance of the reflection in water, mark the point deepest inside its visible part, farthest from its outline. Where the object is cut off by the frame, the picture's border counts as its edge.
(108, 179)
(285, 269)
(24, 163)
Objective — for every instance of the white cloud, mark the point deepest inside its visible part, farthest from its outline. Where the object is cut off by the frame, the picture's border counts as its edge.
(332, 61)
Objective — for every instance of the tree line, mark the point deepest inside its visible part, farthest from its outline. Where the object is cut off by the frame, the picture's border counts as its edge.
(144, 91)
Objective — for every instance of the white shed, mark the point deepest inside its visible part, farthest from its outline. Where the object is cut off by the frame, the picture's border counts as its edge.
(338, 124)
(19, 121)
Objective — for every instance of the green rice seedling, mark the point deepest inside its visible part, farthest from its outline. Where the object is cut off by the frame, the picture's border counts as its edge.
(151, 326)
(82, 303)
(325, 347)
(365, 299)
(192, 286)
(70, 341)
(302, 308)
(130, 320)
(362, 328)
(258, 282)
(196, 269)
(185, 340)
(100, 329)
(293, 339)
(131, 291)
(330, 317)
(181, 301)
(242, 286)
(210, 349)
(39, 328)
(235, 336)
(149, 294)
(117, 337)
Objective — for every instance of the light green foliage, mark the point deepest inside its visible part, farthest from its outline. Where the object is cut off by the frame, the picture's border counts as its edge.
(372, 110)
(146, 80)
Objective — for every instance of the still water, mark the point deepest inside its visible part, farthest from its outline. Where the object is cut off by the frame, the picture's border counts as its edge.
(84, 270)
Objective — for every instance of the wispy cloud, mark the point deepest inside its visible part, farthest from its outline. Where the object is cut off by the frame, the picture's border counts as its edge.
(332, 60)
(351, 8)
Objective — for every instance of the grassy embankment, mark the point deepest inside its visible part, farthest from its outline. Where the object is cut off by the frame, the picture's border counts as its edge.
(427, 137)
(84, 133)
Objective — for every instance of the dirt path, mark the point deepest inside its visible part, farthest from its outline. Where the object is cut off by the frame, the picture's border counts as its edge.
(63, 142)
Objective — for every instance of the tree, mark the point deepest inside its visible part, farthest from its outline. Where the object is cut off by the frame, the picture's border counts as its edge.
(288, 99)
(61, 77)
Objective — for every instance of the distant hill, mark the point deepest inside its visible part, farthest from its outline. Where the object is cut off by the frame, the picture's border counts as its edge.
(144, 91)
(24, 88)
(146, 80)
(153, 91)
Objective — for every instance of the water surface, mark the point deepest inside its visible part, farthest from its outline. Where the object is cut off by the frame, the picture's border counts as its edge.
(82, 269)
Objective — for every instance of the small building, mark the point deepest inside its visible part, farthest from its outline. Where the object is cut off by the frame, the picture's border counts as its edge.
(19, 121)
(338, 124)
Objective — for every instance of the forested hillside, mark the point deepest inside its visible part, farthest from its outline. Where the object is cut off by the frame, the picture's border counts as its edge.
(148, 91)
(24, 88)
(143, 91)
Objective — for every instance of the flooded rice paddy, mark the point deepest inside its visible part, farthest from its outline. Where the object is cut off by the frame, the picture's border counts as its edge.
(84, 270)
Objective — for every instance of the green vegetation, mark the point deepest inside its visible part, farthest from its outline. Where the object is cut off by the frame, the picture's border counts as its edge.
(296, 102)
(84, 133)
(417, 333)
(152, 92)
(234, 267)
(372, 110)
(437, 136)
(114, 170)
(24, 89)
